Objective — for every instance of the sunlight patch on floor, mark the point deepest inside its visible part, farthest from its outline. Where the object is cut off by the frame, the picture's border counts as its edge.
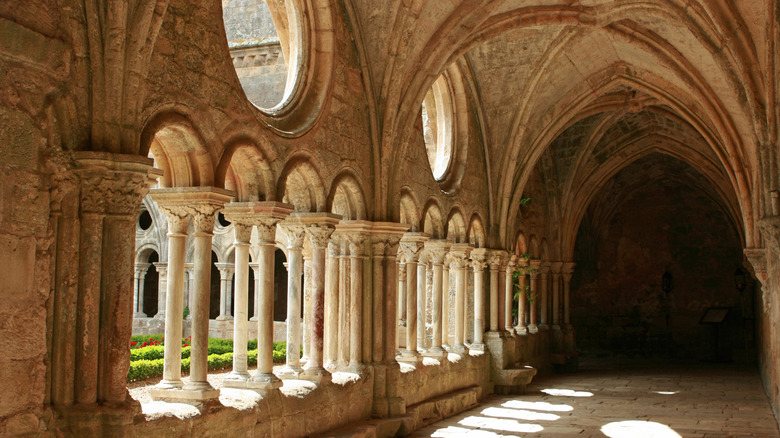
(519, 414)
(537, 406)
(638, 429)
(502, 425)
(567, 392)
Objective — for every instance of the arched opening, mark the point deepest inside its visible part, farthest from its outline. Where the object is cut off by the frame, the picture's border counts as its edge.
(151, 284)
(280, 286)
(655, 258)
(214, 298)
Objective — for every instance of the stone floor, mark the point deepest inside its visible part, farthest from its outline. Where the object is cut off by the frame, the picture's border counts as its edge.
(664, 401)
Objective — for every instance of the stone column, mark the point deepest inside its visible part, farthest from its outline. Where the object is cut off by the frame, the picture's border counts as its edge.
(522, 299)
(256, 271)
(445, 301)
(93, 323)
(294, 234)
(356, 252)
(544, 296)
(437, 250)
(411, 245)
(343, 302)
(162, 284)
(478, 263)
(568, 270)
(459, 262)
(495, 259)
(533, 272)
(204, 211)
(178, 221)
(422, 278)
(306, 299)
(319, 238)
(509, 292)
(332, 304)
(243, 233)
(401, 309)
(266, 216)
(138, 285)
(556, 276)
(225, 271)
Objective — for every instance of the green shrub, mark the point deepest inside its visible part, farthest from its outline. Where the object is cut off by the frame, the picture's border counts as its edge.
(143, 369)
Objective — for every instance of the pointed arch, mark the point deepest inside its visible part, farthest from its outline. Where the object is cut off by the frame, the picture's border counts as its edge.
(244, 169)
(456, 226)
(409, 209)
(476, 233)
(432, 219)
(347, 198)
(300, 184)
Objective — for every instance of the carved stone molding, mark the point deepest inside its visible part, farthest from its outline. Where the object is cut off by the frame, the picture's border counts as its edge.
(243, 233)
(757, 263)
(113, 183)
(293, 234)
(319, 236)
(496, 259)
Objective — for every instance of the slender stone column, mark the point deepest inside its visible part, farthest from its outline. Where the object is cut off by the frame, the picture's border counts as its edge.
(162, 284)
(225, 271)
(495, 259)
(378, 286)
(422, 278)
(204, 213)
(522, 299)
(332, 305)
(459, 261)
(568, 270)
(294, 233)
(401, 309)
(478, 263)
(229, 294)
(343, 302)
(556, 276)
(533, 272)
(319, 238)
(256, 271)
(178, 221)
(201, 203)
(306, 295)
(509, 270)
(356, 252)
(445, 301)
(411, 245)
(140, 276)
(544, 296)
(243, 233)
(437, 250)
(266, 216)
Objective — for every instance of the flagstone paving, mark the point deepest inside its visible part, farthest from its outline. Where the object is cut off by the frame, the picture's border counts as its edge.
(663, 401)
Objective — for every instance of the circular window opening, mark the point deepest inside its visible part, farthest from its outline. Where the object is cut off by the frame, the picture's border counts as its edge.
(145, 220)
(437, 127)
(223, 220)
(264, 43)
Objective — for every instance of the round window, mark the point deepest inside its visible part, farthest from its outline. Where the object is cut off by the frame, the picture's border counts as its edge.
(437, 127)
(145, 220)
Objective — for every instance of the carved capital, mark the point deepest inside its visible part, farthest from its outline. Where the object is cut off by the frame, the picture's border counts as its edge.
(410, 250)
(203, 216)
(756, 258)
(113, 183)
(496, 259)
(178, 218)
(319, 236)
(294, 235)
(356, 243)
(243, 233)
(266, 229)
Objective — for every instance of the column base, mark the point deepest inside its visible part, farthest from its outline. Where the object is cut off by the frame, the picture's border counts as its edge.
(521, 330)
(236, 379)
(458, 349)
(223, 318)
(544, 327)
(289, 372)
(189, 396)
(533, 329)
(410, 356)
(317, 375)
(436, 352)
(556, 327)
(263, 382)
(254, 319)
(477, 346)
(356, 368)
(169, 384)
(159, 315)
(139, 315)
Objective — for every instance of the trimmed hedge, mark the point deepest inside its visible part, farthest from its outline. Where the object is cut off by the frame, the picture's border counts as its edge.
(148, 361)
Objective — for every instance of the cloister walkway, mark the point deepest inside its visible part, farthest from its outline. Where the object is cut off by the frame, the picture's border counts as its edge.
(635, 401)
